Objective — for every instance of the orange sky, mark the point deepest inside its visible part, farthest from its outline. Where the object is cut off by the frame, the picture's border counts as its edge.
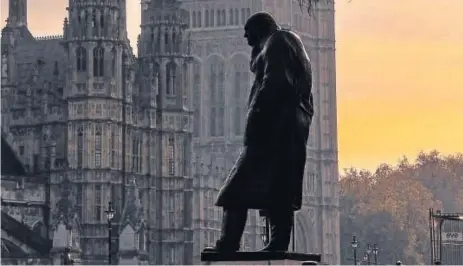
(399, 74)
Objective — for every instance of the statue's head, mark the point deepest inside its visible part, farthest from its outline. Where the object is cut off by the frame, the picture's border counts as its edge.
(258, 27)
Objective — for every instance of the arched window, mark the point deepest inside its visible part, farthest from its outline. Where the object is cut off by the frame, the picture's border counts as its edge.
(80, 147)
(230, 16)
(166, 40)
(193, 20)
(171, 158)
(102, 22)
(174, 41)
(200, 19)
(212, 19)
(213, 90)
(219, 18)
(98, 146)
(98, 62)
(224, 17)
(81, 56)
(113, 61)
(94, 23)
(113, 148)
(171, 81)
(197, 98)
(141, 239)
(207, 19)
(237, 98)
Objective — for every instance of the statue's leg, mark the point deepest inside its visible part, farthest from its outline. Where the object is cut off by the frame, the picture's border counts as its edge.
(281, 222)
(233, 223)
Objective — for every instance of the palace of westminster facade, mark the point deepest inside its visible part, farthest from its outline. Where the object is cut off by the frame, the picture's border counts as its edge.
(156, 132)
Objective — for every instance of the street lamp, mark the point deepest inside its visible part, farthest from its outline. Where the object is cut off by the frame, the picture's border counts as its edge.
(375, 252)
(354, 244)
(109, 215)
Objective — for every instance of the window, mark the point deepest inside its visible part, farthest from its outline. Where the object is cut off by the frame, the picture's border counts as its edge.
(237, 114)
(137, 153)
(219, 18)
(171, 80)
(97, 202)
(81, 63)
(94, 22)
(199, 19)
(248, 13)
(230, 16)
(223, 18)
(113, 61)
(98, 62)
(211, 18)
(207, 19)
(197, 98)
(193, 19)
(98, 146)
(79, 194)
(171, 159)
(237, 16)
(113, 148)
(243, 16)
(213, 89)
(80, 147)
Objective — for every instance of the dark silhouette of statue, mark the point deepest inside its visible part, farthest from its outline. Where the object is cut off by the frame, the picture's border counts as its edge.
(268, 174)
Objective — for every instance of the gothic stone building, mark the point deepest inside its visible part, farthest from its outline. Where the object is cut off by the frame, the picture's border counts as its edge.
(108, 125)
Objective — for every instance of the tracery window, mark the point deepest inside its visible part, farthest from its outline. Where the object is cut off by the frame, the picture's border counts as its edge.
(137, 153)
(113, 61)
(98, 61)
(113, 148)
(217, 100)
(81, 62)
(98, 146)
(197, 98)
(80, 147)
(97, 203)
(171, 79)
(171, 154)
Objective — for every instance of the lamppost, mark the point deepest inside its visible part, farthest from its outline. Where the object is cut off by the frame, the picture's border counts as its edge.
(109, 215)
(375, 252)
(354, 244)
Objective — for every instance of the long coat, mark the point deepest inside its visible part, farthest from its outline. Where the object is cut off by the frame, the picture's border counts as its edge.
(269, 171)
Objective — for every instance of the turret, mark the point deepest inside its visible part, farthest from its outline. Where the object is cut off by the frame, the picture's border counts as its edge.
(95, 37)
(17, 13)
(164, 47)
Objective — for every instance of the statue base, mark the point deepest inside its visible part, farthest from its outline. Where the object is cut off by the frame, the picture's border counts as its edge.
(259, 258)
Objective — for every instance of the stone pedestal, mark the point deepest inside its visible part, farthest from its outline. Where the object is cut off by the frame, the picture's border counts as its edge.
(259, 258)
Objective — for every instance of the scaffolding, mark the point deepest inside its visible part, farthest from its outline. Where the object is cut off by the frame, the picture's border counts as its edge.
(446, 233)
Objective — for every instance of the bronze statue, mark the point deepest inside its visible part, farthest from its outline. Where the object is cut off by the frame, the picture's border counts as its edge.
(268, 174)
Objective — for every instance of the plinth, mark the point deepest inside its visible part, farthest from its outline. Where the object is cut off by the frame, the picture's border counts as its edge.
(259, 258)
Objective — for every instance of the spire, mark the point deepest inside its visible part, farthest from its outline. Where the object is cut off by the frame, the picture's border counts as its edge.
(17, 15)
(132, 212)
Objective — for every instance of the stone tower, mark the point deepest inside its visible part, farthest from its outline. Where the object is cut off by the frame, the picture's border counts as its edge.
(164, 67)
(98, 94)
